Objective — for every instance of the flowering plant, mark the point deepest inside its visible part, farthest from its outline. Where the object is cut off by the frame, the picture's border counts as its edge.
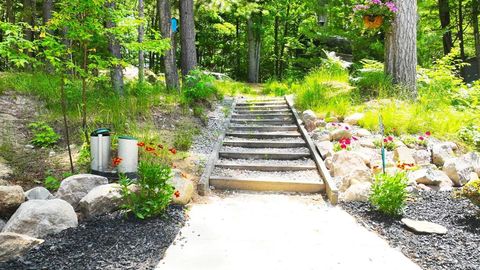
(376, 8)
(344, 144)
(388, 143)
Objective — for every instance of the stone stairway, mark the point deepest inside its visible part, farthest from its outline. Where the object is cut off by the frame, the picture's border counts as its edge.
(264, 150)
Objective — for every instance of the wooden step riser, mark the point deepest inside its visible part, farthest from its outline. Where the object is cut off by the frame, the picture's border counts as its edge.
(265, 185)
(261, 104)
(262, 122)
(264, 129)
(276, 156)
(265, 168)
(262, 136)
(262, 117)
(255, 144)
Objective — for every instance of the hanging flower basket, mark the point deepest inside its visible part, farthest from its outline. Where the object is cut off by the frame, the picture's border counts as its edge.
(372, 21)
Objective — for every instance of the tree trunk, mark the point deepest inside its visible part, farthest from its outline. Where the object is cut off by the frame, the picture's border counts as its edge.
(282, 47)
(29, 17)
(460, 29)
(238, 49)
(47, 10)
(84, 91)
(141, 33)
(10, 11)
(65, 121)
(444, 12)
(476, 33)
(116, 72)
(275, 47)
(401, 47)
(187, 34)
(170, 61)
(254, 45)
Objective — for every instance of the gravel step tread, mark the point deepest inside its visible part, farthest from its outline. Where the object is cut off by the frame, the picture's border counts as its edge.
(270, 116)
(261, 111)
(261, 103)
(264, 167)
(263, 155)
(290, 176)
(285, 140)
(263, 128)
(268, 162)
(264, 135)
(295, 150)
(263, 144)
(262, 121)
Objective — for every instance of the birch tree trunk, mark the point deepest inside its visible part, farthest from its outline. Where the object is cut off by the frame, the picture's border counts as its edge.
(187, 34)
(116, 71)
(476, 33)
(141, 34)
(254, 45)
(401, 47)
(170, 61)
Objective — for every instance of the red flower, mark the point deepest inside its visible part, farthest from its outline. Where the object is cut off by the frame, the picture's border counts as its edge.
(385, 140)
(173, 150)
(177, 194)
(160, 146)
(390, 138)
(421, 138)
(141, 144)
(428, 133)
(116, 161)
(149, 149)
(347, 128)
(343, 146)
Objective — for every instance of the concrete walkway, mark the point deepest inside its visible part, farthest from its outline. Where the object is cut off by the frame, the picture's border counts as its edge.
(271, 231)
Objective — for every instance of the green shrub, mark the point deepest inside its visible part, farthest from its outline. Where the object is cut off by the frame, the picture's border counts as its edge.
(43, 134)
(388, 193)
(371, 80)
(51, 183)
(184, 137)
(470, 135)
(199, 88)
(471, 191)
(153, 194)
(275, 88)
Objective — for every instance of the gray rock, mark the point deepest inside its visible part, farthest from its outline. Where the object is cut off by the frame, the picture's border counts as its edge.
(309, 115)
(473, 159)
(349, 169)
(422, 157)
(458, 170)
(424, 226)
(429, 177)
(341, 133)
(362, 133)
(38, 193)
(325, 148)
(354, 118)
(38, 218)
(357, 193)
(14, 245)
(442, 152)
(101, 200)
(403, 155)
(184, 188)
(75, 187)
(2, 224)
(321, 135)
(11, 197)
(5, 171)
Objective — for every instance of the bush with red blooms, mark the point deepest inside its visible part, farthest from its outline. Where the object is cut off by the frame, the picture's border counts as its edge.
(344, 144)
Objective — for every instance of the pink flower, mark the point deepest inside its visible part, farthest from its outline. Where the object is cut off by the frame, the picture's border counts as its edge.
(385, 140)
(421, 138)
(343, 146)
(428, 133)
(347, 128)
(391, 6)
(377, 2)
(390, 138)
(354, 138)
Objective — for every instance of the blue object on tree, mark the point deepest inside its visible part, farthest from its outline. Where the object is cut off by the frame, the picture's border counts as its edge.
(174, 25)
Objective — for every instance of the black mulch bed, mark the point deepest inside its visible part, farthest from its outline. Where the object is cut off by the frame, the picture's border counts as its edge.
(107, 242)
(458, 249)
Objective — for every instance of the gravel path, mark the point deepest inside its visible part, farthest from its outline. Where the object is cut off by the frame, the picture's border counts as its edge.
(107, 242)
(265, 150)
(267, 162)
(310, 175)
(459, 249)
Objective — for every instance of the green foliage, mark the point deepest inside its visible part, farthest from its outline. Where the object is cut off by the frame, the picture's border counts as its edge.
(152, 193)
(471, 191)
(388, 193)
(471, 135)
(51, 183)
(275, 88)
(43, 134)
(232, 88)
(184, 137)
(371, 80)
(199, 87)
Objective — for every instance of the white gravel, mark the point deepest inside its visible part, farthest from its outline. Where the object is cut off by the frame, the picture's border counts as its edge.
(308, 176)
(265, 150)
(268, 162)
(287, 140)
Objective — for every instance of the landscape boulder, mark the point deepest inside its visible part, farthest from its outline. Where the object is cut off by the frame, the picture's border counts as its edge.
(341, 133)
(431, 177)
(403, 155)
(441, 152)
(459, 170)
(101, 200)
(2, 224)
(184, 188)
(75, 187)
(38, 218)
(14, 245)
(367, 142)
(309, 119)
(362, 133)
(11, 197)
(325, 148)
(473, 159)
(422, 157)
(421, 226)
(354, 118)
(349, 168)
(321, 135)
(38, 193)
(357, 193)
